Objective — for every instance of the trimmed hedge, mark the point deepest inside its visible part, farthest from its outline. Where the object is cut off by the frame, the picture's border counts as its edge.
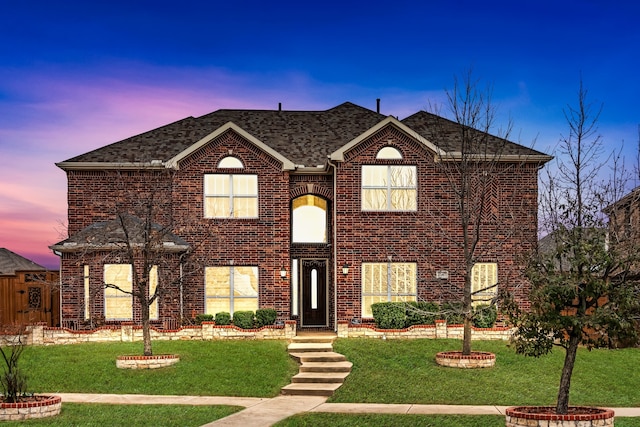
(203, 318)
(389, 315)
(223, 318)
(265, 317)
(243, 319)
(485, 316)
(400, 315)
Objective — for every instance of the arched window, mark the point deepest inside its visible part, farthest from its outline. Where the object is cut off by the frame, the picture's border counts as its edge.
(230, 163)
(309, 219)
(388, 153)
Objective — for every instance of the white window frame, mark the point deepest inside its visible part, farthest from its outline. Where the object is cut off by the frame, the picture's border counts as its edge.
(233, 194)
(386, 281)
(388, 187)
(115, 296)
(87, 293)
(484, 275)
(231, 297)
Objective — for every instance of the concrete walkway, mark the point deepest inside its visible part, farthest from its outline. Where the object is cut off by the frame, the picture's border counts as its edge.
(264, 412)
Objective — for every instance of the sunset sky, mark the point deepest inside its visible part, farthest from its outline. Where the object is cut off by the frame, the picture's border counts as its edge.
(77, 75)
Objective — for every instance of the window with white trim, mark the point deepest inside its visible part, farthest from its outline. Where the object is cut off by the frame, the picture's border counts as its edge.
(389, 187)
(231, 289)
(484, 278)
(230, 195)
(387, 282)
(87, 295)
(153, 285)
(117, 304)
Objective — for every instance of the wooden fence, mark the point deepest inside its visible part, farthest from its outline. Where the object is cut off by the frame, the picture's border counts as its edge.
(29, 297)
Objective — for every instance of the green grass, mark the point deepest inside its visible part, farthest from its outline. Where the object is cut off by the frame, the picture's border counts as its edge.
(404, 371)
(375, 420)
(100, 415)
(226, 368)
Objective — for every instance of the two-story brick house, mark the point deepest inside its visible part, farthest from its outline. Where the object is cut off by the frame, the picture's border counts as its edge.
(317, 214)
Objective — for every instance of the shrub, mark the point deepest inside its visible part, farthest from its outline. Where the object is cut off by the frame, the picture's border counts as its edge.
(223, 318)
(203, 318)
(452, 313)
(389, 315)
(421, 313)
(484, 316)
(265, 316)
(243, 319)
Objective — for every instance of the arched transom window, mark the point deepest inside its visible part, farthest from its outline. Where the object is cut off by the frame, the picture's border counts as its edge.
(309, 219)
(230, 163)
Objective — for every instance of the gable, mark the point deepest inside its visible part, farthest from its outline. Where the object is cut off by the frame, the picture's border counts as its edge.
(174, 162)
(338, 155)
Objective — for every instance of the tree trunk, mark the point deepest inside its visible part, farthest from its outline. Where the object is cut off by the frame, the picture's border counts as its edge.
(466, 340)
(565, 380)
(146, 332)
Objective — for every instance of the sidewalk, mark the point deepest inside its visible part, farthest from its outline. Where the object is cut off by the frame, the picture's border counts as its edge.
(264, 412)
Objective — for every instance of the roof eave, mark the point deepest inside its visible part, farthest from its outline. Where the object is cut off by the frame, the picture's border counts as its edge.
(174, 162)
(505, 158)
(67, 248)
(338, 155)
(68, 166)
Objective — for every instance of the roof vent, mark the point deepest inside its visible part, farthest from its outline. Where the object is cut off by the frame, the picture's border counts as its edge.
(156, 162)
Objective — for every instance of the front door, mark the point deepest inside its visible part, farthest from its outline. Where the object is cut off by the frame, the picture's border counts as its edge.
(314, 292)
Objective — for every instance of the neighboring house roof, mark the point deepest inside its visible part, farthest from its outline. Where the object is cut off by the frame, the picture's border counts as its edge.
(301, 137)
(10, 262)
(630, 198)
(110, 235)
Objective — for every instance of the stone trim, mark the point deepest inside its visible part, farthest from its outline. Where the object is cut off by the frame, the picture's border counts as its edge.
(516, 416)
(439, 330)
(47, 407)
(147, 362)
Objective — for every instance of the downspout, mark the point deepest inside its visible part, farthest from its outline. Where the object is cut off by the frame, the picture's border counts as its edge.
(335, 246)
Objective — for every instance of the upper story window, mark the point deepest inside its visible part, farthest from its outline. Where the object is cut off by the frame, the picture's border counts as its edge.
(388, 153)
(309, 219)
(230, 163)
(230, 195)
(389, 187)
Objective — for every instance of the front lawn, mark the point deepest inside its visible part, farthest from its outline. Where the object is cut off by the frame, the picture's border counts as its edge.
(100, 415)
(404, 371)
(213, 368)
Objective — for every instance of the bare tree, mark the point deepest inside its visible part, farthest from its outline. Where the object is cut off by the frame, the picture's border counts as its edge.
(472, 215)
(485, 219)
(143, 258)
(583, 286)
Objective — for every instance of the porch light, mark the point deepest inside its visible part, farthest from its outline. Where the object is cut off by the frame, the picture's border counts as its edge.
(283, 273)
(345, 269)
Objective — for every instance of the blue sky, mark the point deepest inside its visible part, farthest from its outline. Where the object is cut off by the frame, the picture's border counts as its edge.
(75, 75)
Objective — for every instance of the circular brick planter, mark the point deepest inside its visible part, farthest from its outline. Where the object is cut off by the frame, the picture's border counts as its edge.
(147, 362)
(455, 359)
(538, 416)
(34, 407)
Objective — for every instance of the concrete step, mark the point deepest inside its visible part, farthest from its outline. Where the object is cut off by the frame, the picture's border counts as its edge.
(316, 338)
(315, 347)
(324, 356)
(320, 377)
(343, 366)
(310, 389)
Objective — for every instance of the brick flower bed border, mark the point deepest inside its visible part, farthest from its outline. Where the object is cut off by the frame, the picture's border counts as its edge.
(455, 359)
(147, 362)
(45, 406)
(539, 416)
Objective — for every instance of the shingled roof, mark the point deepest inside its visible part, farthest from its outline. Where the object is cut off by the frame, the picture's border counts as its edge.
(304, 137)
(10, 262)
(111, 235)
